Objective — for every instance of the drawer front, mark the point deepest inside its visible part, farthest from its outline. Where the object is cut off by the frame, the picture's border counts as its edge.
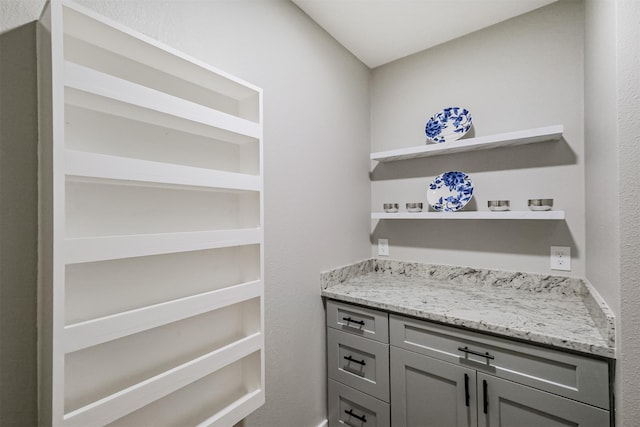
(350, 407)
(359, 362)
(361, 321)
(573, 376)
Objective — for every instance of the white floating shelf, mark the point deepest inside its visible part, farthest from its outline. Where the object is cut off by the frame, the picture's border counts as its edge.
(97, 331)
(103, 248)
(94, 82)
(529, 136)
(528, 215)
(100, 166)
(110, 408)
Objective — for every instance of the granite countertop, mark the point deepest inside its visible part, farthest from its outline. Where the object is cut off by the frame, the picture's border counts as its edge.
(559, 311)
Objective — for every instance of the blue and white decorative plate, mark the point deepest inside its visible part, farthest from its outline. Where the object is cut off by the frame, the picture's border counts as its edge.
(448, 125)
(450, 191)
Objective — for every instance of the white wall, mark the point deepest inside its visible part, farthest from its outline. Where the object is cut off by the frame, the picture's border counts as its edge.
(316, 136)
(613, 153)
(612, 110)
(628, 94)
(523, 73)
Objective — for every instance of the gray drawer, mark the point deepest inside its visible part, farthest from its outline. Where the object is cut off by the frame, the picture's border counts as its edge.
(359, 362)
(349, 407)
(361, 321)
(577, 377)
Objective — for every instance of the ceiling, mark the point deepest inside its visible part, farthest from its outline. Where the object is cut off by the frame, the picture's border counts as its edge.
(381, 31)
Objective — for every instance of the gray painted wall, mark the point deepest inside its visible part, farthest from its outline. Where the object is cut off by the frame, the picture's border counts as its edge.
(316, 139)
(523, 73)
(18, 226)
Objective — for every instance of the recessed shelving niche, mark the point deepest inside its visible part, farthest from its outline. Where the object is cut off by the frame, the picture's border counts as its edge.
(151, 233)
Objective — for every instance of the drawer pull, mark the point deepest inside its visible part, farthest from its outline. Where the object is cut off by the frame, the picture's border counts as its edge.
(477, 353)
(466, 389)
(362, 417)
(351, 359)
(485, 398)
(350, 320)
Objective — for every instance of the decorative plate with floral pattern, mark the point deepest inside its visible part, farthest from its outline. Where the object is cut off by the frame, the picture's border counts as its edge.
(448, 125)
(450, 191)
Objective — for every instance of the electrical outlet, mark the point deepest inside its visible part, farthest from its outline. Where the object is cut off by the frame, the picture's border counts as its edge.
(561, 258)
(383, 247)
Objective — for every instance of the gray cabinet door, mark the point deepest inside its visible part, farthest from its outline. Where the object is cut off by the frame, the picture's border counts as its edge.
(426, 392)
(509, 404)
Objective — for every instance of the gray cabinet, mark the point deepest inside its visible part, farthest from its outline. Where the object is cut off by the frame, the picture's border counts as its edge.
(576, 377)
(513, 405)
(357, 366)
(426, 391)
(435, 375)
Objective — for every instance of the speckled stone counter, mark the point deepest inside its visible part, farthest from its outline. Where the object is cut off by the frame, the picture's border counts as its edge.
(559, 311)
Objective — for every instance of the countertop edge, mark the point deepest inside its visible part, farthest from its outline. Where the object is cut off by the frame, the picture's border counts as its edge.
(557, 342)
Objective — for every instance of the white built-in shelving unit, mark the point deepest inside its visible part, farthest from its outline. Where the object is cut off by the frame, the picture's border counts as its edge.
(152, 240)
(509, 139)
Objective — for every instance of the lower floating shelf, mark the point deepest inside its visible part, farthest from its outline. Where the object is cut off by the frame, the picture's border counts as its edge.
(529, 215)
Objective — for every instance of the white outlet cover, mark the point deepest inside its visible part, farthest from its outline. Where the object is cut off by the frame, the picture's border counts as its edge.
(383, 247)
(561, 258)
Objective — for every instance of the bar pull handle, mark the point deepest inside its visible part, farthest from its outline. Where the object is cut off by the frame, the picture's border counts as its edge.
(477, 353)
(350, 320)
(351, 359)
(466, 389)
(362, 417)
(485, 398)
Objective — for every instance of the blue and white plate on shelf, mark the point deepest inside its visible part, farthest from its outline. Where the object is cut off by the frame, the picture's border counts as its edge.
(450, 191)
(448, 125)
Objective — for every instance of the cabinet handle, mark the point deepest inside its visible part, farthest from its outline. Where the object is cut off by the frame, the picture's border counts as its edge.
(350, 320)
(351, 359)
(466, 389)
(477, 353)
(485, 398)
(362, 417)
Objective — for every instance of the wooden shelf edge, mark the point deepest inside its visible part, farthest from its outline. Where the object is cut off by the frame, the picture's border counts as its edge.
(104, 248)
(505, 215)
(529, 136)
(89, 333)
(100, 166)
(95, 82)
(117, 405)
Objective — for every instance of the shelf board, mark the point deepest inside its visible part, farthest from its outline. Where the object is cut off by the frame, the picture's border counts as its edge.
(103, 248)
(108, 328)
(86, 24)
(117, 405)
(80, 165)
(97, 83)
(236, 411)
(526, 215)
(529, 136)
